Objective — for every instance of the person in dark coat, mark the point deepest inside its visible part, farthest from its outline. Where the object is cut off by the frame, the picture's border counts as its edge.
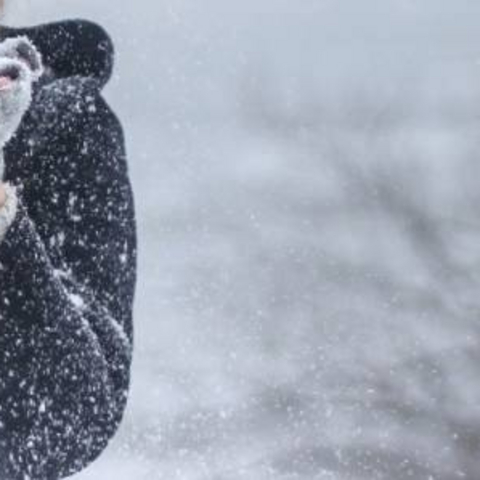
(67, 261)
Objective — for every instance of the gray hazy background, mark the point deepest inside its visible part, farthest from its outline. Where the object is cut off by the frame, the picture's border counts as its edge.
(307, 179)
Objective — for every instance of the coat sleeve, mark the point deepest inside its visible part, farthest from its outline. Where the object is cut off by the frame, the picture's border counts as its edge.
(65, 321)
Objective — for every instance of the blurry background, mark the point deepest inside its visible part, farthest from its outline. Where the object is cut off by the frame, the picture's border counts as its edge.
(307, 179)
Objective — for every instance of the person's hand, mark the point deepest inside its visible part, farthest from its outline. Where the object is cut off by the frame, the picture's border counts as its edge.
(20, 67)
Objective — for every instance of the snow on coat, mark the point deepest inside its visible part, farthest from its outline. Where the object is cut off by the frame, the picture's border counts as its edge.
(67, 264)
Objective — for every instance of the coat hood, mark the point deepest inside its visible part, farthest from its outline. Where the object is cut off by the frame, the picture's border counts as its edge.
(70, 48)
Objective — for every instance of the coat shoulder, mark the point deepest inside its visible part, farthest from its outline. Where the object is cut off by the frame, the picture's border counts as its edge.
(69, 134)
(62, 110)
(62, 101)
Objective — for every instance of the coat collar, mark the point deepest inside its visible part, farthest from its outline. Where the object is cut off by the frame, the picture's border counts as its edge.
(71, 48)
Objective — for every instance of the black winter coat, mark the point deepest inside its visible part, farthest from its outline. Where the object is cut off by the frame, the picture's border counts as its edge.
(67, 264)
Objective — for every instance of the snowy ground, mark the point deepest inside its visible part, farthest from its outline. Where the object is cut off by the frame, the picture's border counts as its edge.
(307, 182)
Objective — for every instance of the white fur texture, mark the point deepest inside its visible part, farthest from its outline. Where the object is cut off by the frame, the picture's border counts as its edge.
(9, 209)
(21, 53)
(14, 102)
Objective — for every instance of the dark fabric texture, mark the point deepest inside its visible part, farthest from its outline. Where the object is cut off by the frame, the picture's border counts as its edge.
(67, 264)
